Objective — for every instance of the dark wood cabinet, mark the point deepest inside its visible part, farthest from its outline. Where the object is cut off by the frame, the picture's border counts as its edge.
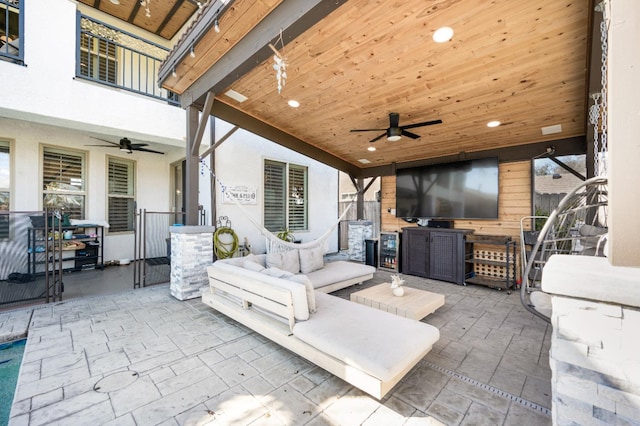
(415, 249)
(436, 253)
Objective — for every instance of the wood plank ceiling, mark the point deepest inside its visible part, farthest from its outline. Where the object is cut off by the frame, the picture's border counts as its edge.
(520, 62)
(166, 17)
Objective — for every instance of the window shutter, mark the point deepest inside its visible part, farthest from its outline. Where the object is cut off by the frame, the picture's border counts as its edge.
(297, 198)
(63, 181)
(274, 196)
(98, 59)
(121, 195)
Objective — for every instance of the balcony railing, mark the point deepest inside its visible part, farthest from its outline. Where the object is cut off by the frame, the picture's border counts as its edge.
(113, 57)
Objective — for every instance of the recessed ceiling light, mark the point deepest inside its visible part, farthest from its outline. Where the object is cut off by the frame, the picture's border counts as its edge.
(293, 103)
(443, 34)
(371, 148)
(235, 95)
(494, 123)
(115, 1)
(364, 161)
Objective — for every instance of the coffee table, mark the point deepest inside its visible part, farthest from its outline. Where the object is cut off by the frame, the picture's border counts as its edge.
(415, 303)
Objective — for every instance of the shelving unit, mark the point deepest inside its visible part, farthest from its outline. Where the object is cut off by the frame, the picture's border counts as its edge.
(73, 259)
(390, 251)
(492, 268)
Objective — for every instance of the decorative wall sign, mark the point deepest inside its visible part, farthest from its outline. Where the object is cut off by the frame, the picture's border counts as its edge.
(242, 193)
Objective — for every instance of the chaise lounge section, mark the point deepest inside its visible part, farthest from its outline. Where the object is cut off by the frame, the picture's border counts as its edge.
(368, 348)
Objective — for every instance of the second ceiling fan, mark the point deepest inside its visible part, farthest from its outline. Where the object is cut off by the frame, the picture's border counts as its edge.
(395, 132)
(125, 145)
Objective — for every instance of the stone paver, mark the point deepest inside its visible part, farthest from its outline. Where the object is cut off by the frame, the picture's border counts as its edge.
(196, 366)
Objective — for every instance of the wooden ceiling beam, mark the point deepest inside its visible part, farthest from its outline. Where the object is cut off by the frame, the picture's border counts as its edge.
(289, 18)
(238, 118)
(177, 5)
(134, 12)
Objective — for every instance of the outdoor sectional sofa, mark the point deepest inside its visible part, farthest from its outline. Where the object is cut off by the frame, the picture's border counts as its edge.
(368, 348)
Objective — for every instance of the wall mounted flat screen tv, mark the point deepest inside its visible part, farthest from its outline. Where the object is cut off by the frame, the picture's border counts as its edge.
(460, 190)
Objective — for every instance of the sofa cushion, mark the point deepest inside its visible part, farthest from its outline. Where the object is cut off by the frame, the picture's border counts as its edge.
(286, 260)
(338, 271)
(229, 273)
(311, 293)
(253, 266)
(277, 272)
(311, 259)
(377, 342)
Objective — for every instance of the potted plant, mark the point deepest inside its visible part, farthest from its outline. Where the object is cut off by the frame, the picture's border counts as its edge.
(286, 235)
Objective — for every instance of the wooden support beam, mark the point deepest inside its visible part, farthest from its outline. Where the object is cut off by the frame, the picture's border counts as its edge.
(191, 168)
(202, 123)
(222, 139)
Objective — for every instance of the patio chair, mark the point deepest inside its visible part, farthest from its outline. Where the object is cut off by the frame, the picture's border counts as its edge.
(578, 226)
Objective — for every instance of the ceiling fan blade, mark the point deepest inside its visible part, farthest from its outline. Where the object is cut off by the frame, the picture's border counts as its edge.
(378, 137)
(137, 145)
(424, 123)
(104, 140)
(409, 134)
(133, 148)
(394, 119)
(368, 130)
(105, 146)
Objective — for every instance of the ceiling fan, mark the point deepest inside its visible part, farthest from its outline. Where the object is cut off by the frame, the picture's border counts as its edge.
(394, 132)
(125, 145)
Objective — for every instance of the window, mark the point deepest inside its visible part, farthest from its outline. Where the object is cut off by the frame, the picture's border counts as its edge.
(5, 188)
(98, 58)
(63, 181)
(285, 196)
(121, 195)
(11, 22)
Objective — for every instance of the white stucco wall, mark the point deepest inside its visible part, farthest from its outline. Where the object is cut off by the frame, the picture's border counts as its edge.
(45, 89)
(27, 139)
(239, 161)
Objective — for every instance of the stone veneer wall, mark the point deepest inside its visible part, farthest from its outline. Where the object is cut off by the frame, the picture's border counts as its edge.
(595, 349)
(191, 253)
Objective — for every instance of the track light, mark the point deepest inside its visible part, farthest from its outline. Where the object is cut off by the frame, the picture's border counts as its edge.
(173, 73)
(192, 53)
(216, 25)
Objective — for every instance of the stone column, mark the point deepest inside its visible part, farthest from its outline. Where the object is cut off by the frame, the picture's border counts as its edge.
(191, 253)
(594, 346)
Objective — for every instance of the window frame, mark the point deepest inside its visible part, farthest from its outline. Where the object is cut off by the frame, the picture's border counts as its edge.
(65, 192)
(5, 53)
(131, 184)
(5, 220)
(288, 205)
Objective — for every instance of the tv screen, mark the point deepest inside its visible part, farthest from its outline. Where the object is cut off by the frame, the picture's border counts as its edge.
(460, 190)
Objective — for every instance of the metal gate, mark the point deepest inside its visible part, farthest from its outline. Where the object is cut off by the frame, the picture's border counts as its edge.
(152, 246)
(30, 257)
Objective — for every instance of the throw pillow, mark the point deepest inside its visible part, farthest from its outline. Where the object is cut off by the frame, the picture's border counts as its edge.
(253, 258)
(311, 260)
(288, 261)
(277, 273)
(311, 295)
(253, 266)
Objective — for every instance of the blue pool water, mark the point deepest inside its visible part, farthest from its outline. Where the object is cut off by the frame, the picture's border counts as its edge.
(10, 360)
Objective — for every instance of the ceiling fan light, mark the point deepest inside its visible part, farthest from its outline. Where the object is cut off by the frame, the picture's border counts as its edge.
(443, 34)
(394, 134)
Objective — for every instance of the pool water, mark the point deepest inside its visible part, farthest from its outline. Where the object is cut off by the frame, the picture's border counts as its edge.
(10, 360)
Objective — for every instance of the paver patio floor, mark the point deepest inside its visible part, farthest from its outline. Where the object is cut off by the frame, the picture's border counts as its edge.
(144, 358)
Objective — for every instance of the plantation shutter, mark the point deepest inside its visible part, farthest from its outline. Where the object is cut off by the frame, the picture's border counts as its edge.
(121, 195)
(63, 182)
(297, 198)
(98, 59)
(274, 196)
